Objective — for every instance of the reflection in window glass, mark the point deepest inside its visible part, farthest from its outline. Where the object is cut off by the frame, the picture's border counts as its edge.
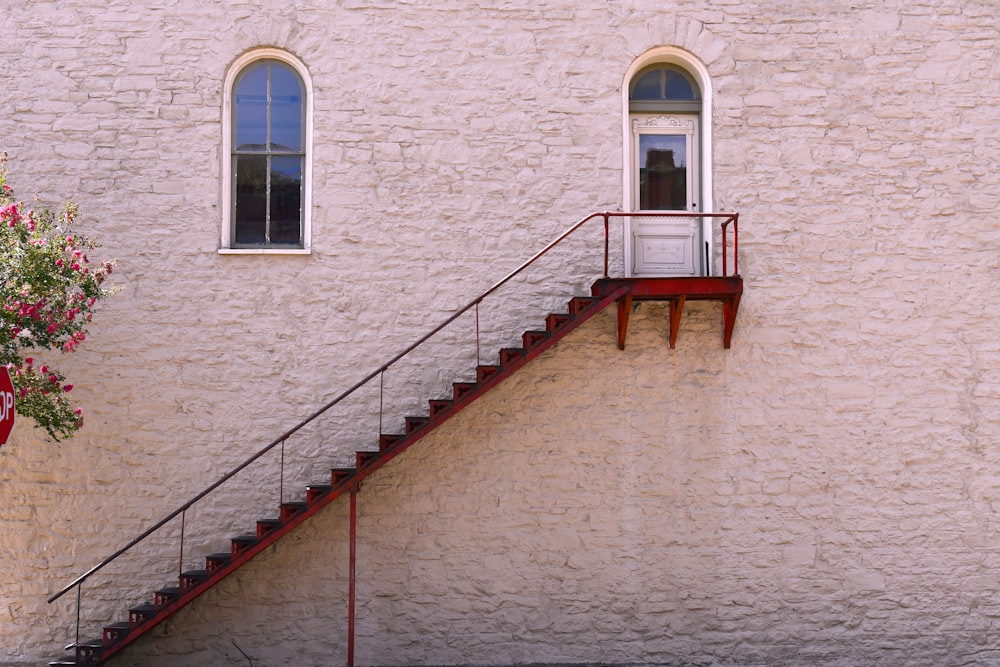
(647, 87)
(268, 156)
(663, 172)
(251, 109)
(286, 110)
(286, 199)
(251, 198)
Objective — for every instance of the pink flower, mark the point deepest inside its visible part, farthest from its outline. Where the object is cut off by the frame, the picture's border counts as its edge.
(67, 387)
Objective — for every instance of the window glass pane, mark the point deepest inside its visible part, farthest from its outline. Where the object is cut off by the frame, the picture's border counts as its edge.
(663, 172)
(648, 86)
(663, 83)
(678, 87)
(286, 109)
(251, 109)
(250, 207)
(286, 199)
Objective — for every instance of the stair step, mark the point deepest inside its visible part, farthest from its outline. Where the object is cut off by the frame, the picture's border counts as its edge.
(88, 652)
(485, 372)
(141, 613)
(462, 389)
(191, 578)
(265, 526)
(439, 406)
(509, 355)
(243, 542)
(316, 491)
(290, 509)
(581, 304)
(416, 423)
(217, 561)
(387, 441)
(532, 339)
(340, 475)
(556, 321)
(114, 632)
(364, 458)
(165, 596)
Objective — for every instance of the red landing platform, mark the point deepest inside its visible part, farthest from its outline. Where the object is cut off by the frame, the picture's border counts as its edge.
(676, 291)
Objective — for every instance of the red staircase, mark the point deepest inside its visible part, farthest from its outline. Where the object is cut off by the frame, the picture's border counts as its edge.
(192, 583)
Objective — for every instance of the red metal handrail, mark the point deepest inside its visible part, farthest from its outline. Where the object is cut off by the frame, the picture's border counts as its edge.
(726, 220)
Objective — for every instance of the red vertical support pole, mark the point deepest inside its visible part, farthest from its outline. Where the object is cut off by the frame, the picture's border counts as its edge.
(351, 578)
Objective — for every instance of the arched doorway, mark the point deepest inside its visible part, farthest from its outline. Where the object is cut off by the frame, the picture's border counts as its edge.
(667, 142)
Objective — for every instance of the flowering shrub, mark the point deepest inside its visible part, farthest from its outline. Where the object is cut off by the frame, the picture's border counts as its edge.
(49, 291)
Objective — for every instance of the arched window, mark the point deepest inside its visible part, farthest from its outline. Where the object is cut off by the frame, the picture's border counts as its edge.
(667, 168)
(268, 167)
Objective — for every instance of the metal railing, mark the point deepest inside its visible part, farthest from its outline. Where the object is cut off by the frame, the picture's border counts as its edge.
(728, 267)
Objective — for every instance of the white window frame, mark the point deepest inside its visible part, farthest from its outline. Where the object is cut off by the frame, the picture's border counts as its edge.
(687, 61)
(235, 69)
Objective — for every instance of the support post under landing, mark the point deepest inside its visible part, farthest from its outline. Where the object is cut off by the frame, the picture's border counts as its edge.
(677, 292)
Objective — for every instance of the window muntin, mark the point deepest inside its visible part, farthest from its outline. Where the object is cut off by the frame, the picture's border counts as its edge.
(268, 161)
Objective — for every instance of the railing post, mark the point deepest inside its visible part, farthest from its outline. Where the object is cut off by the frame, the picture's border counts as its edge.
(479, 358)
(281, 476)
(725, 244)
(76, 642)
(381, 399)
(606, 245)
(736, 244)
(180, 557)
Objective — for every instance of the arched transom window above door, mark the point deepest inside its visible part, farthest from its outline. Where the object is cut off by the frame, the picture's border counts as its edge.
(664, 87)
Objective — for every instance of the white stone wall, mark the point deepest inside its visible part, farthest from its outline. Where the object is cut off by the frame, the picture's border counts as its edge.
(822, 492)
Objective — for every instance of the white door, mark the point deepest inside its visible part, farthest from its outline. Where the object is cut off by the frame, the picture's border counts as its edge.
(665, 178)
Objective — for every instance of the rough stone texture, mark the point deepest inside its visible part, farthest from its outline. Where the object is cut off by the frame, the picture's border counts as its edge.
(824, 492)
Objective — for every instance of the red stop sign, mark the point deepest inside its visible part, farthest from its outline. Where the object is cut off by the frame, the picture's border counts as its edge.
(6, 405)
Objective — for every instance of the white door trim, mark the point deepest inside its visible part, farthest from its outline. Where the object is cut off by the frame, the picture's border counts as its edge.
(706, 203)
